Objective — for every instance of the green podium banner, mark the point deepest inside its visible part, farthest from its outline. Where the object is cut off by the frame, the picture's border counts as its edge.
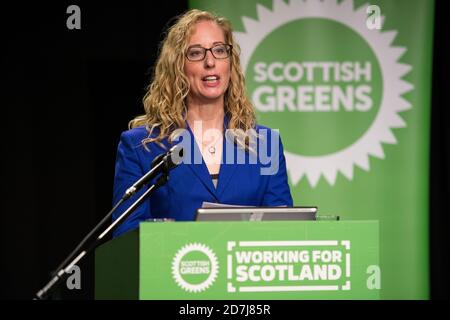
(242, 260)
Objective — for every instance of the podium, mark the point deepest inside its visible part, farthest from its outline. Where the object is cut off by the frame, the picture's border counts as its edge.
(241, 260)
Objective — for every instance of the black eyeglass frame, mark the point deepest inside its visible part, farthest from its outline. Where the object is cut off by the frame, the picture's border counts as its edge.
(228, 46)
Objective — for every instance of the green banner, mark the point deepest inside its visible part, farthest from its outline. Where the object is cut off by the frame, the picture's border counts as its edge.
(242, 260)
(348, 85)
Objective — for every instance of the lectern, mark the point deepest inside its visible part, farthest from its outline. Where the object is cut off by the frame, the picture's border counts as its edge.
(241, 260)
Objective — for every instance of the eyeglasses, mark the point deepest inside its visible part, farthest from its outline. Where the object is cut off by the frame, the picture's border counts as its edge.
(219, 51)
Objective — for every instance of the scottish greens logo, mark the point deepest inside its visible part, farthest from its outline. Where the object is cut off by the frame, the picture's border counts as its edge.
(195, 267)
(330, 84)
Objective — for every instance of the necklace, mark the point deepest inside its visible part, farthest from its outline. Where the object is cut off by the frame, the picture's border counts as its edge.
(211, 146)
(212, 150)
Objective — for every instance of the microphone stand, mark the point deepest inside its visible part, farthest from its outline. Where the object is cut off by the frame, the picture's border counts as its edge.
(88, 244)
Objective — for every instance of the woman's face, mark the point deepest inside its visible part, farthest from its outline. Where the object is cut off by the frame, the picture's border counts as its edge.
(209, 77)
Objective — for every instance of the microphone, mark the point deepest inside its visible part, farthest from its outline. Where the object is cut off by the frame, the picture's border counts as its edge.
(160, 166)
(162, 163)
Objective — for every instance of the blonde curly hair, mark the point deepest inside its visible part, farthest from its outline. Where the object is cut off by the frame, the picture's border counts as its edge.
(165, 100)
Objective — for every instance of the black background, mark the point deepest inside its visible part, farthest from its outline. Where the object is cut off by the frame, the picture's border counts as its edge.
(66, 96)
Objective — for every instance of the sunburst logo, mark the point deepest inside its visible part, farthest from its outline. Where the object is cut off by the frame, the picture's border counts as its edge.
(331, 85)
(195, 267)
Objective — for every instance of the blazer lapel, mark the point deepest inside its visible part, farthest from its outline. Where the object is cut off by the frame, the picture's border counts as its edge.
(200, 170)
(227, 170)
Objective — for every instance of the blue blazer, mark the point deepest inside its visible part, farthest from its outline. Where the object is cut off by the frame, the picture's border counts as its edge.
(256, 182)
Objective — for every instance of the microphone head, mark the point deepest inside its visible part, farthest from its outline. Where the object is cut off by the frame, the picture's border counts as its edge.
(175, 156)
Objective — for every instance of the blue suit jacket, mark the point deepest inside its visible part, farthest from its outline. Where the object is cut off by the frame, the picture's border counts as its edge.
(190, 185)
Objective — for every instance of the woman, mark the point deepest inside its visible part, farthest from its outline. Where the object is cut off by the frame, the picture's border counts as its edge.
(198, 93)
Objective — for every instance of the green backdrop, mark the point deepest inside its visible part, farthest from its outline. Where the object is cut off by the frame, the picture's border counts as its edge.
(348, 86)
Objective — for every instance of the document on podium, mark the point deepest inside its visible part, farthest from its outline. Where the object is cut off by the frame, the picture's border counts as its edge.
(225, 212)
(206, 204)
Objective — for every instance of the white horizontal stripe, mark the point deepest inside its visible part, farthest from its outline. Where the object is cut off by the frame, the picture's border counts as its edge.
(288, 288)
(286, 243)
